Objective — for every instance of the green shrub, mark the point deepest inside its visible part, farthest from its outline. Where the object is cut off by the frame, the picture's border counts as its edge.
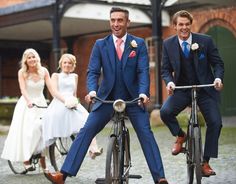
(183, 118)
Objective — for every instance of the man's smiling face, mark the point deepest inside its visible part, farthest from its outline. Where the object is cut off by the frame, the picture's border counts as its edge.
(183, 27)
(119, 23)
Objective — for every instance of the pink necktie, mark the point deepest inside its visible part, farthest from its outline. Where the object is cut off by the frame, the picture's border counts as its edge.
(118, 48)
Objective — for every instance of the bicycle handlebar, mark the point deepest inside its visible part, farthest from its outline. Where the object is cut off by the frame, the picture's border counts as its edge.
(112, 101)
(38, 106)
(194, 86)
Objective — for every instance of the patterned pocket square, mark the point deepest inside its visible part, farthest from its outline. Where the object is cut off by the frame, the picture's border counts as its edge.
(201, 56)
(132, 54)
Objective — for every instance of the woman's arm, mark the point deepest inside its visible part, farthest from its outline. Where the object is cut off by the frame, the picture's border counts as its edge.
(56, 93)
(21, 80)
(76, 85)
(48, 81)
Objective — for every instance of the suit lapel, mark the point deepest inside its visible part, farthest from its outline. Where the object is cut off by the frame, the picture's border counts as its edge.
(176, 54)
(110, 50)
(195, 54)
(127, 50)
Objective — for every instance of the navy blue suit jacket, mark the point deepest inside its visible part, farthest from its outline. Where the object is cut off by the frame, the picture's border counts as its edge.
(207, 62)
(102, 63)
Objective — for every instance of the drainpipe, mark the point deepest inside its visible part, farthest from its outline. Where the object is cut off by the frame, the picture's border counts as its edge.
(56, 22)
(157, 38)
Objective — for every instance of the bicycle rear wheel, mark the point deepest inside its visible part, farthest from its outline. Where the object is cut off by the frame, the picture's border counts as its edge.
(197, 153)
(189, 156)
(112, 163)
(59, 150)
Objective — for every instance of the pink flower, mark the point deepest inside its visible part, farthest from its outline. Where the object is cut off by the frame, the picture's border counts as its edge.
(132, 54)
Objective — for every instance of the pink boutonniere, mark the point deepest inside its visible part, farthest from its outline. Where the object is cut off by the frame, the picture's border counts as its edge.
(132, 54)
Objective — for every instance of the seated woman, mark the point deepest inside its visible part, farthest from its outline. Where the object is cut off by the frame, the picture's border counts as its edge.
(65, 116)
(24, 135)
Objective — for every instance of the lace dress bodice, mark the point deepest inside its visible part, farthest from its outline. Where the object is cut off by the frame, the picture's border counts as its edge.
(66, 84)
(35, 89)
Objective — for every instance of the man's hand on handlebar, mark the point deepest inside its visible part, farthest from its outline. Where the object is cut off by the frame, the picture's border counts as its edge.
(218, 84)
(170, 88)
(89, 97)
(144, 99)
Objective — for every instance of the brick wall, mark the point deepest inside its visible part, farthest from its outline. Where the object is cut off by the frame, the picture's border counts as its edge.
(5, 3)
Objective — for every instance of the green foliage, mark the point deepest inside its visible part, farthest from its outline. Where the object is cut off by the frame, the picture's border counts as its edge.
(6, 110)
(183, 118)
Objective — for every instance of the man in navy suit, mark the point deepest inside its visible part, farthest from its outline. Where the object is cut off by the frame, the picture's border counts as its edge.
(124, 76)
(198, 63)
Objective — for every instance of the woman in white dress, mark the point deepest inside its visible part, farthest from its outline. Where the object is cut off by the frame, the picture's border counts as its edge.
(65, 116)
(24, 133)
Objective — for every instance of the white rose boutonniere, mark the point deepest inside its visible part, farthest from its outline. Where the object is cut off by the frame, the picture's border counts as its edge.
(133, 44)
(198, 50)
(194, 46)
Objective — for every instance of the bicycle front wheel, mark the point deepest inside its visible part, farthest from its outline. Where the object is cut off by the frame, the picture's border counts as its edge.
(112, 163)
(126, 158)
(17, 167)
(59, 150)
(197, 154)
(189, 156)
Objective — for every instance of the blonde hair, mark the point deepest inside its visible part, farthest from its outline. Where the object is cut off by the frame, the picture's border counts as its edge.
(24, 66)
(71, 57)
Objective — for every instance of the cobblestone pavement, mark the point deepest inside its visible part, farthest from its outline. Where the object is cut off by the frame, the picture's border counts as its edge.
(175, 167)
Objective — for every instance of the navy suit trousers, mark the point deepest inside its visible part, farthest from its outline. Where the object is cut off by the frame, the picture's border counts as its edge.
(209, 109)
(96, 122)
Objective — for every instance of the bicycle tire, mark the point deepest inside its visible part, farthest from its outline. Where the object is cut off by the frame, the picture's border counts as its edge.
(189, 156)
(112, 167)
(59, 150)
(197, 154)
(17, 167)
(127, 158)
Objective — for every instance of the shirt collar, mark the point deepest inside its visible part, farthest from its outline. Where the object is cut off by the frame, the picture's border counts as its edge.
(123, 38)
(189, 40)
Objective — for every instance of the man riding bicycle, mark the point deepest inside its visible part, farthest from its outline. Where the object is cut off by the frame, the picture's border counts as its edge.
(189, 59)
(124, 62)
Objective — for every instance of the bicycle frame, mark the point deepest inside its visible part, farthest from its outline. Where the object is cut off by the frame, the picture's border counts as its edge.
(193, 147)
(118, 159)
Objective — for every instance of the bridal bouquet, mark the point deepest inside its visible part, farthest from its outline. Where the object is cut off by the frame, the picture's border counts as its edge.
(71, 102)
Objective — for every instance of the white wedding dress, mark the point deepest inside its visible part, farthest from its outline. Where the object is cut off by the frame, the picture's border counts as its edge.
(60, 121)
(25, 131)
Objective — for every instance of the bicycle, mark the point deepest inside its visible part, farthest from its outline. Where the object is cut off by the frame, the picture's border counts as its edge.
(193, 145)
(18, 167)
(118, 157)
(57, 153)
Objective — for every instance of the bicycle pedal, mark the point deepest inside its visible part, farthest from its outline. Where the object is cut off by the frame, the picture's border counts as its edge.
(133, 176)
(206, 176)
(100, 181)
(183, 150)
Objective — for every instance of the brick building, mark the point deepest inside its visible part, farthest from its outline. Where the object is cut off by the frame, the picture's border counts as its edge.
(213, 20)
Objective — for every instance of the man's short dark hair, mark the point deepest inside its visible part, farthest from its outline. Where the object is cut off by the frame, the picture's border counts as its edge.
(119, 9)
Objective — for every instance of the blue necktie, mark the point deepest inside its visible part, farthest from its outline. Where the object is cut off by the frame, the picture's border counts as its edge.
(185, 49)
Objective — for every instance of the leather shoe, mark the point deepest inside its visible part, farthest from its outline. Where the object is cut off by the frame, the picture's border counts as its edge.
(55, 178)
(177, 148)
(162, 181)
(207, 170)
(93, 155)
